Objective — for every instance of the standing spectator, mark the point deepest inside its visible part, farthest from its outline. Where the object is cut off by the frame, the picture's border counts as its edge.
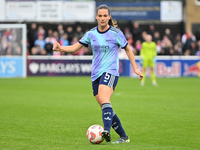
(70, 33)
(152, 31)
(186, 39)
(197, 34)
(136, 32)
(168, 34)
(4, 42)
(7, 33)
(32, 36)
(79, 33)
(60, 30)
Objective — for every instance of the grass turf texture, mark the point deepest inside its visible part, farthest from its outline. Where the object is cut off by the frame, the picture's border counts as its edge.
(55, 112)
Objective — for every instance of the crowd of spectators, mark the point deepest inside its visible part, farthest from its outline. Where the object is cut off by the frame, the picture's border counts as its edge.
(168, 44)
(40, 41)
(10, 42)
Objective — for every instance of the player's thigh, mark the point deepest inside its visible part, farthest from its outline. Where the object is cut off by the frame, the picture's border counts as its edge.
(145, 63)
(105, 93)
(151, 63)
(107, 85)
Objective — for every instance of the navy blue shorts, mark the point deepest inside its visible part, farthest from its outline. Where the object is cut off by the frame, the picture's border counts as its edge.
(106, 79)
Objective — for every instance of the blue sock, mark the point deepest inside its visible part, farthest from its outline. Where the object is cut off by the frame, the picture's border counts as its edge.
(117, 126)
(107, 116)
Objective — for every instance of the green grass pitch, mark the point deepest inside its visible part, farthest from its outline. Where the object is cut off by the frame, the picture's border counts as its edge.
(54, 113)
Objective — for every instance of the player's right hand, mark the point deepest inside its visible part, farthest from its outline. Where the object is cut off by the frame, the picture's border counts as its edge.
(56, 46)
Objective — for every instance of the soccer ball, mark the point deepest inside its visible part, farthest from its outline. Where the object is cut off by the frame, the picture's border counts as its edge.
(94, 134)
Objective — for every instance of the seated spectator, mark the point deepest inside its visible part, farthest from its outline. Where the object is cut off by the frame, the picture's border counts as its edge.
(171, 51)
(50, 40)
(17, 51)
(9, 49)
(156, 37)
(167, 47)
(158, 47)
(81, 51)
(34, 51)
(164, 41)
(130, 39)
(177, 39)
(39, 44)
(40, 31)
(192, 48)
(1, 50)
(168, 34)
(144, 33)
(127, 32)
(138, 47)
(176, 50)
(64, 40)
(198, 48)
(56, 35)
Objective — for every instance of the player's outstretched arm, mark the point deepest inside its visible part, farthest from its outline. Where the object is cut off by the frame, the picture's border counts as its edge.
(132, 60)
(67, 49)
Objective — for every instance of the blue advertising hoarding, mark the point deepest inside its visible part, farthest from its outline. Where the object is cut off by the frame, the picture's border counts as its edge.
(12, 67)
(133, 10)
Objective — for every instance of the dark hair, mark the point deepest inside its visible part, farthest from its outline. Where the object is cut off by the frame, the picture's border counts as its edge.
(111, 21)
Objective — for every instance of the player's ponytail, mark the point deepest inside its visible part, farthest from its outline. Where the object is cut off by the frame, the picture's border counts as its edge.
(111, 21)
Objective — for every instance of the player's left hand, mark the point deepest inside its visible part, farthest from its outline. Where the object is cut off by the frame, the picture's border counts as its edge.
(139, 73)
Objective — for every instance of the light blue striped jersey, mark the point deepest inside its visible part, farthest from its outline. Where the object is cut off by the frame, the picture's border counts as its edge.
(105, 47)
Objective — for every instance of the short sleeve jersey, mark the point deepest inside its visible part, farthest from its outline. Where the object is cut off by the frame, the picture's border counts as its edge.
(105, 47)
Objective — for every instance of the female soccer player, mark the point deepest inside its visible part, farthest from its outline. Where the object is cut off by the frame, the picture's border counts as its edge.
(105, 40)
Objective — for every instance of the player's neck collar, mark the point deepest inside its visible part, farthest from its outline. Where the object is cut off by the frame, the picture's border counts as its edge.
(103, 31)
